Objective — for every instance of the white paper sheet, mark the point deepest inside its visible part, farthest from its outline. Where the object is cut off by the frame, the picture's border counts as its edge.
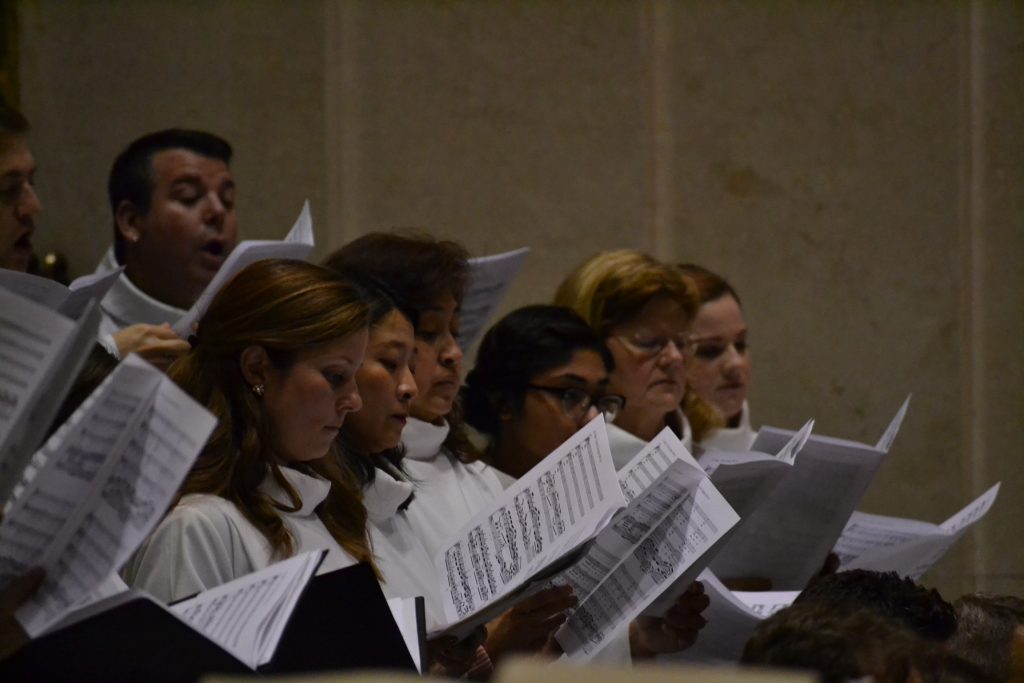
(403, 611)
(906, 546)
(297, 244)
(105, 481)
(248, 615)
(69, 301)
(653, 459)
(488, 282)
(41, 353)
(787, 538)
(649, 554)
(549, 512)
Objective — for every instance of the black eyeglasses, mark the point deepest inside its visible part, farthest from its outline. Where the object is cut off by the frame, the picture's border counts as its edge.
(577, 402)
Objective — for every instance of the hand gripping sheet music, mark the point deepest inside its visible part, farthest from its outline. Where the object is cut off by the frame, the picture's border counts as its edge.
(488, 282)
(104, 482)
(548, 513)
(297, 244)
(905, 546)
(788, 536)
(651, 552)
(41, 353)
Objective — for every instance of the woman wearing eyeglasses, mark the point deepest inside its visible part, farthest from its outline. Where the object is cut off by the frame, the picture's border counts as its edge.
(719, 371)
(641, 309)
(541, 374)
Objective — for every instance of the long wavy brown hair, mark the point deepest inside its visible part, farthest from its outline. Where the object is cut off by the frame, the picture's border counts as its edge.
(286, 307)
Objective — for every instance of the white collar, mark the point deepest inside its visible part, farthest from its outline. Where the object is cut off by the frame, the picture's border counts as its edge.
(739, 438)
(385, 496)
(127, 305)
(312, 491)
(422, 440)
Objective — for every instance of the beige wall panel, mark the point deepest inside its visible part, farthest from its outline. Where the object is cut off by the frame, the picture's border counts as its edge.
(816, 162)
(97, 75)
(1000, 278)
(501, 125)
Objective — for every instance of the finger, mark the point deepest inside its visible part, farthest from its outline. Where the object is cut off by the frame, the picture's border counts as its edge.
(695, 588)
(20, 589)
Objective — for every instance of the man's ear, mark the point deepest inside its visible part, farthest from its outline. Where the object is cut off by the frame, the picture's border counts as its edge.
(128, 219)
(255, 364)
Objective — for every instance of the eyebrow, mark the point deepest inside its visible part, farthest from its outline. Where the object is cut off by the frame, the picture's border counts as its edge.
(576, 379)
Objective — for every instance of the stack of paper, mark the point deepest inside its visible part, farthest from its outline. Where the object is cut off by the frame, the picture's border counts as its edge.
(102, 483)
(42, 353)
(297, 244)
(488, 282)
(787, 538)
(906, 546)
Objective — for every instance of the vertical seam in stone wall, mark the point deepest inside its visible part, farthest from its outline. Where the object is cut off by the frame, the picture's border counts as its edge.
(662, 128)
(974, 468)
(341, 123)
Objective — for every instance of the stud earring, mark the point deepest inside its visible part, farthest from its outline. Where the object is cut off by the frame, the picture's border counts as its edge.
(258, 390)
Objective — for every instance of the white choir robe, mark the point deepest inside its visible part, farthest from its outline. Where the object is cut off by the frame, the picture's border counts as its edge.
(625, 445)
(739, 438)
(206, 541)
(125, 304)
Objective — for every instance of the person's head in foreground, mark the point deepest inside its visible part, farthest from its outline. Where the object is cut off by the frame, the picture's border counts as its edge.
(720, 369)
(19, 204)
(922, 610)
(990, 634)
(172, 196)
(642, 310)
(275, 360)
(843, 646)
(541, 374)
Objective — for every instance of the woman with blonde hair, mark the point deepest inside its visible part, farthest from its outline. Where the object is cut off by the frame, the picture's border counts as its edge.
(274, 359)
(642, 309)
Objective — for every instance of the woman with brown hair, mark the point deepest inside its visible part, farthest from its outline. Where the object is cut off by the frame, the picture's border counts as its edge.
(274, 359)
(642, 310)
(720, 370)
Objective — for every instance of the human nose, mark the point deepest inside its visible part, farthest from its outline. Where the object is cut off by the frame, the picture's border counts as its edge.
(349, 401)
(29, 206)
(590, 413)
(407, 388)
(216, 210)
(672, 354)
(451, 352)
(732, 359)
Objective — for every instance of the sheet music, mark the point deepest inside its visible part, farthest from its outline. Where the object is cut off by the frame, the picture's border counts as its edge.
(650, 553)
(297, 244)
(488, 282)
(766, 603)
(105, 481)
(787, 537)
(653, 459)
(746, 479)
(248, 615)
(41, 353)
(69, 301)
(555, 507)
(403, 611)
(908, 547)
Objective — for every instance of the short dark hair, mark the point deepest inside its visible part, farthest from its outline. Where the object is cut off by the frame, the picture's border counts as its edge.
(417, 267)
(520, 346)
(710, 286)
(131, 176)
(922, 610)
(12, 121)
(985, 632)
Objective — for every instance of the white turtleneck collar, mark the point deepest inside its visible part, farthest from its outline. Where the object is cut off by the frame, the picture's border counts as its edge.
(422, 440)
(739, 438)
(385, 496)
(312, 491)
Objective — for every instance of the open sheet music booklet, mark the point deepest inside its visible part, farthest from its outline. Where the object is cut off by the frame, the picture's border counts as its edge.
(732, 617)
(488, 282)
(42, 353)
(788, 536)
(905, 546)
(297, 244)
(70, 301)
(98, 487)
(552, 527)
(246, 616)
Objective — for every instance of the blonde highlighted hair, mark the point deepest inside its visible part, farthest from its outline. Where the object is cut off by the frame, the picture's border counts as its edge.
(286, 307)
